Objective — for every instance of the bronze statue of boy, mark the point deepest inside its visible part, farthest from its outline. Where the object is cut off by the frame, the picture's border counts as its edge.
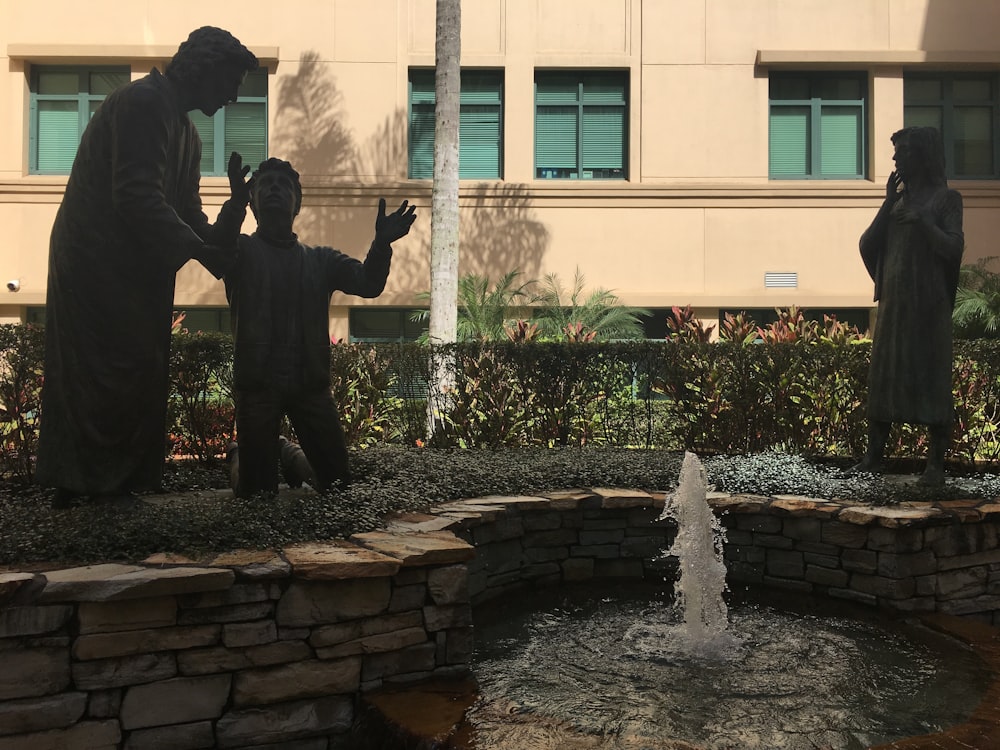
(279, 293)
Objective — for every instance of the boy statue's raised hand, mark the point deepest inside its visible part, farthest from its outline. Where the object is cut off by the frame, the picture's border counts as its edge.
(391, 227)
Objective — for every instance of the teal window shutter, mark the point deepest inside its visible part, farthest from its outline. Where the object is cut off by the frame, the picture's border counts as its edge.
(965, 108)
(58, 135)
(790, 147)
(603, 141)
(480, 121)
(840, 131)
(816, 126)
(556, 130)
(205, 126)
(973, 141)
(421, 140)
(581, 125)
(240, 126)
(63, 99)
(245, 131)
(480, 125)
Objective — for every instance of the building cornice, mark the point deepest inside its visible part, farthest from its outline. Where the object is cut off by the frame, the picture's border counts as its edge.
(767, 58)
(54, 54)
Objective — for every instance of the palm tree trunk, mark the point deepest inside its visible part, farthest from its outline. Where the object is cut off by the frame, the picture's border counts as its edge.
(444, 201)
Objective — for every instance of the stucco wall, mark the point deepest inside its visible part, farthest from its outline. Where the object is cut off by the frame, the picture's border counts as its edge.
(696, 222)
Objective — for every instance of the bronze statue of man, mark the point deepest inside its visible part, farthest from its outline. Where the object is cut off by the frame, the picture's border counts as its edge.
(130, 218)
(913, 252)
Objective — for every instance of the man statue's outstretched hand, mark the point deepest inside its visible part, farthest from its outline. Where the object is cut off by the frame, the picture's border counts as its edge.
(390, 227)
(239, 185)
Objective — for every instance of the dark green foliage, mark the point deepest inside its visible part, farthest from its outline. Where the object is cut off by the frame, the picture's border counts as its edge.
(391, 479)
(22, 350)
(201, 415)
(977, 302)
(571, 316)
(797, 386)
(364, 388)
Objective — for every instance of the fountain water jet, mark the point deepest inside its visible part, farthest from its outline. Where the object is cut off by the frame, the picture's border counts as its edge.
(698, 548)
(698, 594)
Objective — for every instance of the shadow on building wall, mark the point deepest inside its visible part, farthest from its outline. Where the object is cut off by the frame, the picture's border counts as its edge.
(961, 25)
(343, 179)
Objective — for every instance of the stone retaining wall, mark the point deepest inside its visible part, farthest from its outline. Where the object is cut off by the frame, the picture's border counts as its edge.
(272, 649)
(916, 557)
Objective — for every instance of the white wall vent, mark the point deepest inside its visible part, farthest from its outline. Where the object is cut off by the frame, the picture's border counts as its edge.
(773, 280)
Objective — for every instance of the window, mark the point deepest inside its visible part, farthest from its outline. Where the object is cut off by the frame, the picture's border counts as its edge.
(240, 126)
(63, 100)
(375, 324)
(580, 125)
(817, 126)
(480, 150)
(964, 108)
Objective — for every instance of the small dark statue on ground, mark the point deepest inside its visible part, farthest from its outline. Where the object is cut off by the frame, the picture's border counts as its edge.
(279, 293)
(130, 218)
(913, 252)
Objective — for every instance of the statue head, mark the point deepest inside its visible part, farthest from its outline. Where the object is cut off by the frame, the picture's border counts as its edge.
(919, 154)
(209, 67)
(275, 189)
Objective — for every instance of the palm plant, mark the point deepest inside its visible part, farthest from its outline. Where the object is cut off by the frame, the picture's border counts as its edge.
(977, 302)
(574, 317)
(486, 312)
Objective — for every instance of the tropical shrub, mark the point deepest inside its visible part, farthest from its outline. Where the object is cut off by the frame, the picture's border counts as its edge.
(22, 351)
(201, 416)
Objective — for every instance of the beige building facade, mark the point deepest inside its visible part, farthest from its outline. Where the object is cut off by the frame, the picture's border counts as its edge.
(724, 154)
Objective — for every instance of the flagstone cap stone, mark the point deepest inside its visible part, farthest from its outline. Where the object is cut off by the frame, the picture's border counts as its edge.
(511, 502)
(249, 564)
(421, 522)
(805, 507)
(339, 560)
(613, 498)
(572, 499)
(430, 548)
(471, 509)
(109, 582)
(169, 558)
(740, 503)
(888, 516)
(11, 583)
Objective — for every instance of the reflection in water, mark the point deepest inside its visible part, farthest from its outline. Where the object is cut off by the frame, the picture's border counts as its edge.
(587, 669)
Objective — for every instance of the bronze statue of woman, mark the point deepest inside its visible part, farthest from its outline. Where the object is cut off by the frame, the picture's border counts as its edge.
(913, 252)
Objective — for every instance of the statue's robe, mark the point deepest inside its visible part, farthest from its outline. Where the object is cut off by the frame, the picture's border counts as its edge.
(916, 278)
(130, 218)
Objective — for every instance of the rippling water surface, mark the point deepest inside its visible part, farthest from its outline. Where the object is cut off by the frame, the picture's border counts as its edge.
(601, 669)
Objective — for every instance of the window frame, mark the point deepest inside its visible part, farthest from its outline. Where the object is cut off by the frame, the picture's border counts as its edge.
(947, 105)
(816, 104)
(580, 76)
(220, 156)
(406, 331)
(467, 100)
(83, 99)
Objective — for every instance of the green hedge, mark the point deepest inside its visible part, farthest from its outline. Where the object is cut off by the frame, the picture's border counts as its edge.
(728, 397)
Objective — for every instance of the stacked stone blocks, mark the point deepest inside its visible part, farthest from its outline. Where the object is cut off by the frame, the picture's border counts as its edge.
(273, 650)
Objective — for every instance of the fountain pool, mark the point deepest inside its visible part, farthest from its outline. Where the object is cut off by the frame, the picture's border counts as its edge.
(599, 668)
(610, 670)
